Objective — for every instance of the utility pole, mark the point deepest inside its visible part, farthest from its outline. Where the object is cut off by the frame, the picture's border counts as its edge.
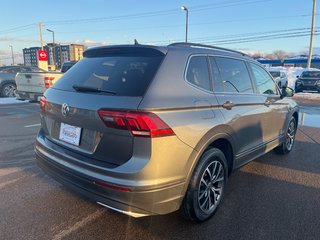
(53, 48)
(41, 41)
(12, 54)
(312, 33)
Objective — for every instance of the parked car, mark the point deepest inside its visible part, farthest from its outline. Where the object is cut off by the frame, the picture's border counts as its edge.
(308, 80)
(7, 79)
(32, 85)
(146, 130)
(280, 77)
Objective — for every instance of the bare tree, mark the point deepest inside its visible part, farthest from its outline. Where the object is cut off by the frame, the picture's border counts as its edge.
(256, 55)
(279, 54)
(269, 56)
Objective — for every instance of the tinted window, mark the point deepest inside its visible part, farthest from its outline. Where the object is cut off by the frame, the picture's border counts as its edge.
(217, 84)
(234, 74)
(265, 83)
(311, 74)
(275, 74)
(124, 75)
(11, 70)
(197, 72)
(67, 66)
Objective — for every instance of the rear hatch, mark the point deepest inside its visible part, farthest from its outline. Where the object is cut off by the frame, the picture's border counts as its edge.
(86, 111)
(36, 82)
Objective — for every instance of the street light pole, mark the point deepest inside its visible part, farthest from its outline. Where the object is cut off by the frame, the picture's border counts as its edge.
(12, 54)
(312, 34)
(187, 19)
(53, 48)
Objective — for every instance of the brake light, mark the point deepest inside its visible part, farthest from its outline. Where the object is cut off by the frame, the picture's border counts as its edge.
(140, 124)
(48, 81)
(43, 104)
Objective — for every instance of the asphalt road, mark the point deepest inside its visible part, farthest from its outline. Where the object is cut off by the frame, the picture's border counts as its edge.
(273, 197)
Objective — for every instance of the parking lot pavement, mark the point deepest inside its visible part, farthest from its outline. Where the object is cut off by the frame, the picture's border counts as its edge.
(273, 197)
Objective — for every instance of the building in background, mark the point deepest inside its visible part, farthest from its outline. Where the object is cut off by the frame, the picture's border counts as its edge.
(58, 54)
(30, 56)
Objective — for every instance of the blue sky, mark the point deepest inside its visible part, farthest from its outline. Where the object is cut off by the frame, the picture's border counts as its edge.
(99, 22)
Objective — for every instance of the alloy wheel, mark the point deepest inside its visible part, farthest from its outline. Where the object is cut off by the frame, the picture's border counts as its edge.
(290, 135)
(211, 187)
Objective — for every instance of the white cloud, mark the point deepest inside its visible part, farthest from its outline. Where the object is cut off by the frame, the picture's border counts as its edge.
(88, 43)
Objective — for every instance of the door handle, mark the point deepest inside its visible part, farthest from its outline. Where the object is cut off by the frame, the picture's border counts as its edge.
(267, 103)
(228, 105)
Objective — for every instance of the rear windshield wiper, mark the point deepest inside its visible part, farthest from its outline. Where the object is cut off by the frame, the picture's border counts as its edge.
(92, 89)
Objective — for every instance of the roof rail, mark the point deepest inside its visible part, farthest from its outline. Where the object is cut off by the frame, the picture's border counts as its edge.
(184, 44)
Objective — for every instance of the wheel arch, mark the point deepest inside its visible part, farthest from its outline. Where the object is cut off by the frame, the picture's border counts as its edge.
(221, 138)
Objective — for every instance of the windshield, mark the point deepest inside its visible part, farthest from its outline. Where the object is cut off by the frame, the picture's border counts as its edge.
(123, 75)
(315, 74)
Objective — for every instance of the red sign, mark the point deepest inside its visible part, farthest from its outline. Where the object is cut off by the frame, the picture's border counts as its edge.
(42, 55)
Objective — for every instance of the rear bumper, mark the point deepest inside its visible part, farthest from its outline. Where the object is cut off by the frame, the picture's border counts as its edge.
(140, 201)
(28, 96)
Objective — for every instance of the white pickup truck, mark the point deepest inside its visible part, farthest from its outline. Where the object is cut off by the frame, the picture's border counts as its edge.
(32, 85)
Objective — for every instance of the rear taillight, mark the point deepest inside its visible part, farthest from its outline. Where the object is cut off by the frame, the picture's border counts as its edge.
(43, 104)
(48, 81)
(140, 124)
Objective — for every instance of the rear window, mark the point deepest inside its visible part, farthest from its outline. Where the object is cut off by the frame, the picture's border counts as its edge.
(126, 75)
(275, 74)
(311, 74)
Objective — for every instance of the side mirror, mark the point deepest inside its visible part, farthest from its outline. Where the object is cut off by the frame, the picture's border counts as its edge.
(286, 92)
(297, 76)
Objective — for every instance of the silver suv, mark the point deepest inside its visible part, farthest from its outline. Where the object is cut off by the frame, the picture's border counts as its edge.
(148, 130)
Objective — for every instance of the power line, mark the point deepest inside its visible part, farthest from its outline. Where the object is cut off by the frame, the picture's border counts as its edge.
(18, 29)
(155, 13)
(232, 36)
(261, 38)
(179, 25)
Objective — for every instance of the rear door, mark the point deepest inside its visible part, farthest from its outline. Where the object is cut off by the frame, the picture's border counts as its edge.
(244, 111)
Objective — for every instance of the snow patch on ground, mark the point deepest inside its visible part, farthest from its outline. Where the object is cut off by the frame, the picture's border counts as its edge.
(10, 100)
(308, 95)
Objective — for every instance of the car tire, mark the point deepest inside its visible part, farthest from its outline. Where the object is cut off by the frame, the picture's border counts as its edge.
(8, 90)
(206, 187)
(287, 145)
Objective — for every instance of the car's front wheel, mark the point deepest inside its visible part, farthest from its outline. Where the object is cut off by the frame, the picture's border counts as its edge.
(206, 188)
(288, 143)
(8, 90)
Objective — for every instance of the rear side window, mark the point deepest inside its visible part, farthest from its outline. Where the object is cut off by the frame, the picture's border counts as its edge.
(198, 73)
(265, 83)
(234, 75)
(126, 75)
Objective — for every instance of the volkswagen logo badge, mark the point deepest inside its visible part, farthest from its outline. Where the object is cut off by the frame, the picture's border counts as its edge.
(65, 109)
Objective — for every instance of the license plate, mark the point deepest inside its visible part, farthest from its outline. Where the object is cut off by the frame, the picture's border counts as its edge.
(70, 134)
